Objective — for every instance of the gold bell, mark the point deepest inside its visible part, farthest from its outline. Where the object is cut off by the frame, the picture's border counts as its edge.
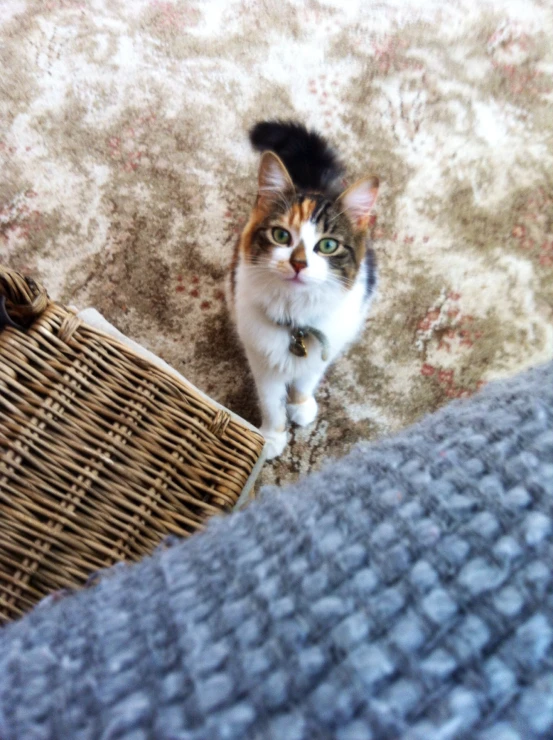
(297, 343)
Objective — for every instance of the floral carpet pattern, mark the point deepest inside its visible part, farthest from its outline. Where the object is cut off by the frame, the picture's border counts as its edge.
(126, 175)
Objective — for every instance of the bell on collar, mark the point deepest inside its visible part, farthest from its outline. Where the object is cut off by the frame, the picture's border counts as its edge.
(297, 343)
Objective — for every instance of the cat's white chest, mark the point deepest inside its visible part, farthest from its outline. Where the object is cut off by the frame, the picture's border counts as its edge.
(339, 319)
(342, 324)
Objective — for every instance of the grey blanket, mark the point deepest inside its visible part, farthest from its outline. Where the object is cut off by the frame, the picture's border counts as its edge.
(405, 591)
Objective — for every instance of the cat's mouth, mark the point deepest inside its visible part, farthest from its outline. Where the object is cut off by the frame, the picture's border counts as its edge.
(296, 279)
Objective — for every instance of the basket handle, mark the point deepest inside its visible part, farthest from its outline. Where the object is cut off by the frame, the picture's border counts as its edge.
(22, 300)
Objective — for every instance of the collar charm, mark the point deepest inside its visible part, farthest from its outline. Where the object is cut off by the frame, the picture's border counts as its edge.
(297, 343)
(298, 335)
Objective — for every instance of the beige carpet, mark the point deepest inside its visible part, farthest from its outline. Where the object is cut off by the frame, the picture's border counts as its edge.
(126, 174)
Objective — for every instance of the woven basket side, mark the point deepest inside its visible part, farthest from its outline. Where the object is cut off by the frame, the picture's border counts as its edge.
(102, 454)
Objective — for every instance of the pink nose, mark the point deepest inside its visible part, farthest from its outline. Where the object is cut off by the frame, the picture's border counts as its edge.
(297, 265)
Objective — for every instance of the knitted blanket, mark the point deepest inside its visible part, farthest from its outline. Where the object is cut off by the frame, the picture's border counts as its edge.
(405, 591)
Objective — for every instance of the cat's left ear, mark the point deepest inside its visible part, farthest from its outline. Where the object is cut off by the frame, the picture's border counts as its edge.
(358, 201)
(273, 179)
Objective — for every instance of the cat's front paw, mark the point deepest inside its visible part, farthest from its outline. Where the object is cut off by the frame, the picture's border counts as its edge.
(275, 442)
(303, 413)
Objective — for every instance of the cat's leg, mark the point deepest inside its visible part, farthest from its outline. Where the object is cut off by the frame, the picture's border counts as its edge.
(271, 392)
(302, 406)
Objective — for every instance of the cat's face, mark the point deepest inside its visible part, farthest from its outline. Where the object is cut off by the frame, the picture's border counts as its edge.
(306, 240)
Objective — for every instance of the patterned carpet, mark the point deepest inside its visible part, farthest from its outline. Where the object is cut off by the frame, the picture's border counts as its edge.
(126, 175)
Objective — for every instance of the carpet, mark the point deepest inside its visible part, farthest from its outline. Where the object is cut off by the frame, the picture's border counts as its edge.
(127, 174)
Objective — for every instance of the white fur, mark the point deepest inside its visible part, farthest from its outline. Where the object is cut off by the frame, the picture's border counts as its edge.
(266, 294)
(303, 413)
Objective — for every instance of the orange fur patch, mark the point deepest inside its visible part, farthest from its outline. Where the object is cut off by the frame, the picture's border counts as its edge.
(245, 242)
(300, 212)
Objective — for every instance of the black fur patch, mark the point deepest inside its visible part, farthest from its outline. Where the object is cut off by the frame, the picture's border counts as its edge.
(370, 262)
(310, 160)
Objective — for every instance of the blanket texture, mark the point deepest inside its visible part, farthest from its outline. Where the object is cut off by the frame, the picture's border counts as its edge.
(404, 592)
(126, 174)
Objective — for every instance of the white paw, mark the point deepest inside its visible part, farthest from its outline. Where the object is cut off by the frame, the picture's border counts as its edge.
(303, 413)
(275, 442)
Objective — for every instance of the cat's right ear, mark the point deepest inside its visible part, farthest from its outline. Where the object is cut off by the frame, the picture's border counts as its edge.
(273, 180)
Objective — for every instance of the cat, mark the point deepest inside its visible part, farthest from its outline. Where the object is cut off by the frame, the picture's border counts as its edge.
(302, 275)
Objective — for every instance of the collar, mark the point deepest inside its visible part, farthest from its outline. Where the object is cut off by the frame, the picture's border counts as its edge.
(298, 335)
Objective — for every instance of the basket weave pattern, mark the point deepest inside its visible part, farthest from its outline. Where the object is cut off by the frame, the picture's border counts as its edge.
(102, 454)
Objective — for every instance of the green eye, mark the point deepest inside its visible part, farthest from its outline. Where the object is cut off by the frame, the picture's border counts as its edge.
(327, 246)
(281, 236)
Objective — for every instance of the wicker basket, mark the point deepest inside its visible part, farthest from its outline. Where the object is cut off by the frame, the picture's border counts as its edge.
(102, 454)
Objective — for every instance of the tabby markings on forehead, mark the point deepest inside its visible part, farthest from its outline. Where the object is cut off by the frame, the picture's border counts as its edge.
(314, 211)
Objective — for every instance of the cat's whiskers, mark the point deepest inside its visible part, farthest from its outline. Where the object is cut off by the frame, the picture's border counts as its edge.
(342, 282)
(265, 268)
(336, 216)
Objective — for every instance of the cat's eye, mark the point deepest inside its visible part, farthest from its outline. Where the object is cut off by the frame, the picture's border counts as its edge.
(281, 236)
(327, 246)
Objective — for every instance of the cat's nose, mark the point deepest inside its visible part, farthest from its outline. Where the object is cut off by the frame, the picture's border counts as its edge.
(298, 258)
(298, 265)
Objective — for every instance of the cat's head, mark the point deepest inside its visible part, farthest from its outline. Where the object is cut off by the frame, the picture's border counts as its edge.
(306, 240)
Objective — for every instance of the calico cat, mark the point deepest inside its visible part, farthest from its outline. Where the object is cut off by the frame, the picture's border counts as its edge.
(302, 273)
